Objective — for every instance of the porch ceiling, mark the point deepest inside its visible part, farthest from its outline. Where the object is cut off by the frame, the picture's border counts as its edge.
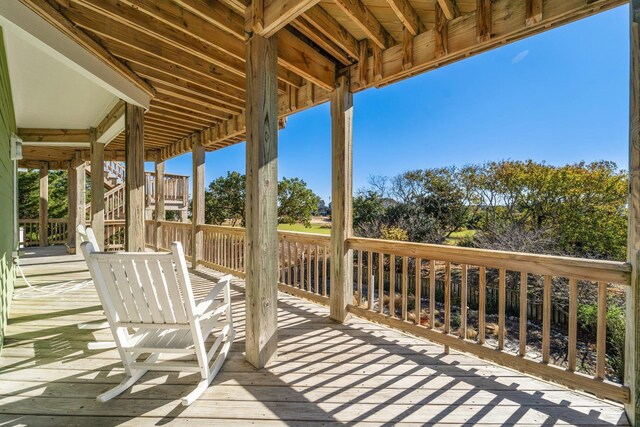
(192, 52)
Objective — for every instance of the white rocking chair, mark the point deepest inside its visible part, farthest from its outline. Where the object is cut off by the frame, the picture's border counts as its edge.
(150, 293)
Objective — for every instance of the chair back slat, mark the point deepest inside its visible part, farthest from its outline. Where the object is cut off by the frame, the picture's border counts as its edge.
(120, 282)
(161, 291)
(113, 294)
(168, 268)
(149, 291)
(134, 281)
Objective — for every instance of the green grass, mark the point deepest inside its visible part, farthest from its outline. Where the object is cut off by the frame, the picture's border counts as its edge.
(459, 235)
(315, 228)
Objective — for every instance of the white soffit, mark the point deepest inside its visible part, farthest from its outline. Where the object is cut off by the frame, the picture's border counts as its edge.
(26, 24)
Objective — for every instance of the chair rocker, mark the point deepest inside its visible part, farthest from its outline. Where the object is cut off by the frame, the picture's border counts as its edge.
(149, 304)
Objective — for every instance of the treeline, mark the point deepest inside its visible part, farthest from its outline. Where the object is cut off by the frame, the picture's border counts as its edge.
(576, 210)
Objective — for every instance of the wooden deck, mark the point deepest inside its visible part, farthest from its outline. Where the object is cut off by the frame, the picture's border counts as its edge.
(325, 373)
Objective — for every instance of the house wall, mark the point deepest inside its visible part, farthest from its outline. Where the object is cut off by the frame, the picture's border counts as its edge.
(7, 169)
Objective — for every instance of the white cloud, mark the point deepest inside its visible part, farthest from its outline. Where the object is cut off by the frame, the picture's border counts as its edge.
(519, 57)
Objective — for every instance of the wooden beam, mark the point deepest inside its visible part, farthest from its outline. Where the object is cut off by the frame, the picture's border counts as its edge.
(276, 14)
(483, 20)
(363, 62)
(632, 330)
(110, 120)
(361, 16)
(534, 12)
(507, 25)
(197, 213)
(302, 59)
(407, 15)
(81, 196)
(97, 187)
(64, 25)
(341, 199)
(449, 8)
(442, 32)
(43, 211)
(407, 50)
(72, 206)
(329, 27)
(71, 136)
(261, 267)
(324, 42)
(134, 181)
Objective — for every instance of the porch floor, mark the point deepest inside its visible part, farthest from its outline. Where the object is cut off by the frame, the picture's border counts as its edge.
(325, 372)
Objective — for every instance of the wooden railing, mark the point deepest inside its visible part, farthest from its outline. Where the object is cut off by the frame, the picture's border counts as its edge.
(427, 290)
(57, 232)
(176, 232)
(176, 188)
(411, 303)
(114, 235)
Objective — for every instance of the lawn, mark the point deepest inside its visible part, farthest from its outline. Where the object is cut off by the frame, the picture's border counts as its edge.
(315, 228)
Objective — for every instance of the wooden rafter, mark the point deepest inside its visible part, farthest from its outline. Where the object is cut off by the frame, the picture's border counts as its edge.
(360, 15)
(275, 14)
(70, 136)
(407, 15)
(449, 8)
(116, 113)
(329, 27)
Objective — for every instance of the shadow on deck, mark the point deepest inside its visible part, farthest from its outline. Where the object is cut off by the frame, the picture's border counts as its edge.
(326, 372)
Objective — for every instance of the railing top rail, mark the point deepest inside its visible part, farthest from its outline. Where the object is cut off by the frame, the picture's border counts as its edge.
(313, 238)
(578, 268)
(222, 228)
(177, 175)
(176, 224)
(37, 221)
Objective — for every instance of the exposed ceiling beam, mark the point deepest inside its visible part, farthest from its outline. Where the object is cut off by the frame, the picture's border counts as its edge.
(143, 91)
(361, 16)
(275, 14)
(112, 125)
(329, 27)
(54, 137)
(449, 8)
(302, 59)
(407, 15)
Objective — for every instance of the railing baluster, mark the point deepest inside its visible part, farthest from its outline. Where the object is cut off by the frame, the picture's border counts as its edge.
(392, 285)
(546, 319)
(482, 285)
(502, 299)
(295, 265)
(573, 322)
(380, 282)
(432, 294)
(359, 278)
(309, 267)
(447, 302)
(463, 301)
(369, 280)
(523, 314)
(418, 292)
(325, 270)
(316, 285)
(405, 287)
(601, 338)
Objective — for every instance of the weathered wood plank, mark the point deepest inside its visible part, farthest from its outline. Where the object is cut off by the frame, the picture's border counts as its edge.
(134, 181)
(97, 188)
(341, 198)
(261, 265)
(43, 209)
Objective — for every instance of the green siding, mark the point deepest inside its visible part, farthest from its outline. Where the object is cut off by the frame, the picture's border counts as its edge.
(7, 126)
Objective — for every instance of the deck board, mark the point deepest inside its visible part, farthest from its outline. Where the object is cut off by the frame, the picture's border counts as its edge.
(326, 372)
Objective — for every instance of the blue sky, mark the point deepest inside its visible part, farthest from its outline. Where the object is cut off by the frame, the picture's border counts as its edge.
(559, 97)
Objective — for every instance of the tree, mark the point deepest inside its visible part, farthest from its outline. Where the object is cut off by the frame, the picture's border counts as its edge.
(29, 194)
(296, 202)
(225, 200)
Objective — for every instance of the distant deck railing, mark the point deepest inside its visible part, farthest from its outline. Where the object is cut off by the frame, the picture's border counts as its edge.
(396, 284)
(57, 232)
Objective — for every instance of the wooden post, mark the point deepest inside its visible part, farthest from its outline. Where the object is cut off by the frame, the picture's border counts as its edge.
(97, 187)
(44, 203)
(81, 197)
(341, 199)
(160, 213)
(261, 201)
(72, 206)
(134, 181)
(197, 215)
(632, 346)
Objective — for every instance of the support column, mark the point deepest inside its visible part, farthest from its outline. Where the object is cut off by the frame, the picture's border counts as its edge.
(197, 214)
(632, 347)
(72, 206)
(341, 199)
(261, 201)
(43, 211)
(81, 197)
(160, 213)
(97, 187)
(134, 181)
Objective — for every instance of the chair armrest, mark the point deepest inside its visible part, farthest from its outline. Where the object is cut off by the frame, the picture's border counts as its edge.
(207, 303)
